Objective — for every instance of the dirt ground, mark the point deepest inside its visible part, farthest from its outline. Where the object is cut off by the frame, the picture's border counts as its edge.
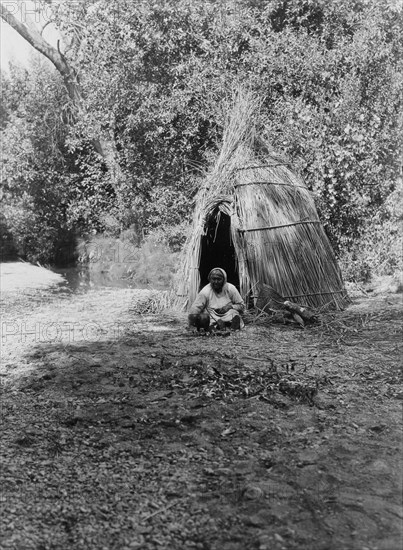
(122, 430)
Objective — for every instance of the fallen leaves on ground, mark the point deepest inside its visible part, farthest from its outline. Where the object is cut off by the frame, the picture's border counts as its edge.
(142, 435)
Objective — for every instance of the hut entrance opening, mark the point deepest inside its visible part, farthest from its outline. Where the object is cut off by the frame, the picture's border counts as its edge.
(217, 249)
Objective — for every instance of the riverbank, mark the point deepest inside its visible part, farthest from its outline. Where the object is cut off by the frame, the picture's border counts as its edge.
(21, 276)
(122, 430)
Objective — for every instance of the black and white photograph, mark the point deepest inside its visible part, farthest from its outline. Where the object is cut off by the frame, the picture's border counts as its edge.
(201, 274)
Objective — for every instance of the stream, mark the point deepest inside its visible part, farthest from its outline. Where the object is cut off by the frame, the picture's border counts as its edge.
(80, 279)
(22, 278)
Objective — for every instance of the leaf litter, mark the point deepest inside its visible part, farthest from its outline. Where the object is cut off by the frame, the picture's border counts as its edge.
(137, 434)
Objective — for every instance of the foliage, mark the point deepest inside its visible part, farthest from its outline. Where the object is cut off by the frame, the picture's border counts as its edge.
(329, 73)
(50, 192)
(333, 106)
(7, 250)
(379, 250)
(156, 77)
(35, 164)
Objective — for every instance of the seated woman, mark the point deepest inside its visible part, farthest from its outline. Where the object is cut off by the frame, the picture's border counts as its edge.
(217, 303)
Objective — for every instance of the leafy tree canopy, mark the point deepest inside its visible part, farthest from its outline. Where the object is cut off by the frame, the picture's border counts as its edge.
(155, 78)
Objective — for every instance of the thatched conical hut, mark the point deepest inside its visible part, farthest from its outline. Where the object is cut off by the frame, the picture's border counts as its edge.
(256, 219)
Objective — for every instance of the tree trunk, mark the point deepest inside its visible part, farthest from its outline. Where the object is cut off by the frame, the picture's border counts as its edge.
(106, 148)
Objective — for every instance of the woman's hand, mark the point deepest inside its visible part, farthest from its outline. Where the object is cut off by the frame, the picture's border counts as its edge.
(224, 309)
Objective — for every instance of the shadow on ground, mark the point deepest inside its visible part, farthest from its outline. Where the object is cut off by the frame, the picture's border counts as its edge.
(158, 438)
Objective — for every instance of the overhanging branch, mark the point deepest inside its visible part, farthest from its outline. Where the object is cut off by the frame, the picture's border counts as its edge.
(33, 37)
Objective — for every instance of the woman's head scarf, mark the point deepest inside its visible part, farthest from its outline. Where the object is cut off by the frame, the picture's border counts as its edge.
(220, 271)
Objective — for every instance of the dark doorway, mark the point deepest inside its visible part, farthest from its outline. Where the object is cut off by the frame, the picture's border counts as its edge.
(217, 249)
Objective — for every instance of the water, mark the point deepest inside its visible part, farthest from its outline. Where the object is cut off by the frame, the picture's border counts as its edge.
(80, 279)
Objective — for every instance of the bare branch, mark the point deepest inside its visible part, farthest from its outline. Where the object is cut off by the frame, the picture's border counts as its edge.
(33, 37)
(44, 26)
(31, 34)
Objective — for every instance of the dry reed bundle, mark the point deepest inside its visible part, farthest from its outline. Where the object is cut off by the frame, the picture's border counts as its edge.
(275, 229)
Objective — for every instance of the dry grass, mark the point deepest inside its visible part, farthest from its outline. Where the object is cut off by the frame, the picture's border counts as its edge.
(275, 228)
(154, 301)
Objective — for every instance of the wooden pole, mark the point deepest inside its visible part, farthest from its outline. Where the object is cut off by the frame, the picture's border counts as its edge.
(277, 226)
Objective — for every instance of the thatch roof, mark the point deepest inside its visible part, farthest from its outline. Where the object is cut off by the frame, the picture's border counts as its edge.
(275, 229)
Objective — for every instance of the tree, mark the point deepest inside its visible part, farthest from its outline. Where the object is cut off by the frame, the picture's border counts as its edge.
(70, 75)
(36, 167)
(154, 79)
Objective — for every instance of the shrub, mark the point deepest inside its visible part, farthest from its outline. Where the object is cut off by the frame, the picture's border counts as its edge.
(34, 239)
(8, 250)
(379, 250)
